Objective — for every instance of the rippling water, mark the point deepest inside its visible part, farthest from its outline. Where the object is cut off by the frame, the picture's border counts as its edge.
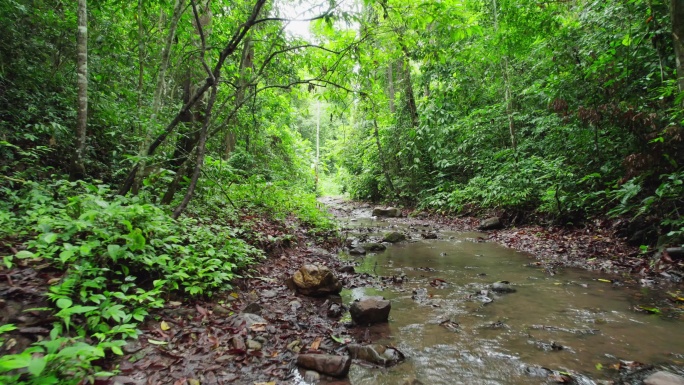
(593, 321)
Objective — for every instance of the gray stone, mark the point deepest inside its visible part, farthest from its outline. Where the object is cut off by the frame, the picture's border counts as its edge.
(335, 366)
(502, 287)
(247, 319)
(394, 237)
(374, 246)
(676, 253)
(253, 344)
(311, 377)
(492, 223)
(664, 378)
(316, 281)
(390, 212)
(357, 251)
(370, 310)
(347, 269)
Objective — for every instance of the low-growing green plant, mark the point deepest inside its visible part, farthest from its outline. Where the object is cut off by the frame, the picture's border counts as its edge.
(57, 360)
(120, 257)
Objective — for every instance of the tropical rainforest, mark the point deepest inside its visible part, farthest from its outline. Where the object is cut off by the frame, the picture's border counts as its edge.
(158, 149)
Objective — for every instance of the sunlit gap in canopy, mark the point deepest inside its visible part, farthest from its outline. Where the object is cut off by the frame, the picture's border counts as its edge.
(300, 12)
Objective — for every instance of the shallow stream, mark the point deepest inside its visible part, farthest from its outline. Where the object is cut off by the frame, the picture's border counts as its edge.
(571, 321)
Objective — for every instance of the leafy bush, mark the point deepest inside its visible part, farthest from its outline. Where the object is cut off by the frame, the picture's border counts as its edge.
(120, 257)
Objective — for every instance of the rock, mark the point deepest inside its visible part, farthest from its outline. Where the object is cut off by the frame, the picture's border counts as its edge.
(664, 378)
(376, 354)
(374, 246)
(492, 223)
(316, 281)
(252, 308)
(238, 343)
(370, 310)
(390, 212)
(253, 344)
(502, 287)
(335, 366)
(269, 294)
(676, 253)
(394, 237)
(357, 251)
(335, 310)
(247, 319)
(429, 235)
(311, 377)
(347, 269)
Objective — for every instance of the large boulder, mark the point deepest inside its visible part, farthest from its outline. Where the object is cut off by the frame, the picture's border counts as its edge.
(316, 281)
(492, 223)
(335, 366)
(663, 378)
(391, 212)
(394, 237)
(370, 310)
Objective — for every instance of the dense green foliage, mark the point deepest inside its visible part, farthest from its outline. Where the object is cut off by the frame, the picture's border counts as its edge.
(204, 118)
(539, 110)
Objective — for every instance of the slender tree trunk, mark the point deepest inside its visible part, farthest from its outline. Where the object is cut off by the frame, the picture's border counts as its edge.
(158, 91)
(230, 47)
(201, 150)
(381, 155)
(78, 165)
(677, 16)
(246, 62)
(141, 58)
(390, 86)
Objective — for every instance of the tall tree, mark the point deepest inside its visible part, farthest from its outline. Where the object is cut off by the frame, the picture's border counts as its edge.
(677, 12)
(78, 165)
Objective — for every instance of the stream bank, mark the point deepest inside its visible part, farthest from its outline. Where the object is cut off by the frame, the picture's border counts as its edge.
(464, 310)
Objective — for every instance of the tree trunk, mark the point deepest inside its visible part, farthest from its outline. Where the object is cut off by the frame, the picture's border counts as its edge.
(201, 149)
(246, 62)
(78, 165)
(158, 91)
(677, 16)
(390, 86)
(230, 47)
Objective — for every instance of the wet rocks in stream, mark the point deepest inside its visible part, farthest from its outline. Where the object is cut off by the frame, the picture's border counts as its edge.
(374, 246)
(330, 365)
(502, 287)
(394, 237)
(370, 310)
(390, 212)
(316, 281)
(376, 354)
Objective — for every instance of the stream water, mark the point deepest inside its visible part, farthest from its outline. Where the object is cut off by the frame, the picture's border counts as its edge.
(570, 321)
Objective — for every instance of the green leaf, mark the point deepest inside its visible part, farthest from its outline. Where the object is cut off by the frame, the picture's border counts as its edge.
(37, 365)
(64, 303)
(24, 254)
(136, 241)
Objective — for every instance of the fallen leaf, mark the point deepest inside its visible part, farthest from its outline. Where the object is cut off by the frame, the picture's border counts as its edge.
(193, 381)
(234, 295)
(164, 326)
(155, 342)
(258, 327)
(316, 343)
(265, 383)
